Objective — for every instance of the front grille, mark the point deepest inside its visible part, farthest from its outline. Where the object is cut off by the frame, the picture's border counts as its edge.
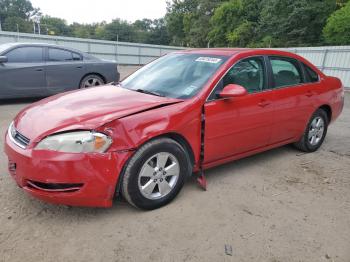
(19, 139)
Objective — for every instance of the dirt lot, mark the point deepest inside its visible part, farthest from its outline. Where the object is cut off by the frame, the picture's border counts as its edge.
(276, 206)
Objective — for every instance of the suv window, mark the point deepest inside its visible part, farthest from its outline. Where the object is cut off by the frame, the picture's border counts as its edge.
(286, 72)
(56, 54)
(310, 75)
(26, 54)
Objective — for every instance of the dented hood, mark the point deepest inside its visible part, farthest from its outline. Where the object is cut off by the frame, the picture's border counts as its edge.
(84, 109)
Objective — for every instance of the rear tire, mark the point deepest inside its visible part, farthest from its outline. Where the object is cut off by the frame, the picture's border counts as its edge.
(314, 133)
(91, 80)
(155, 174)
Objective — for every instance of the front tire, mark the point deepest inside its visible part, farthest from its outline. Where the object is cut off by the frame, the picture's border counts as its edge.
(314, 133)
(155, 174)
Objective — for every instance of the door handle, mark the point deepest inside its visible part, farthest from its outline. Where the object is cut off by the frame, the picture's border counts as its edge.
(263, 103)
(79, 67)
(39, 69)
(309, 94)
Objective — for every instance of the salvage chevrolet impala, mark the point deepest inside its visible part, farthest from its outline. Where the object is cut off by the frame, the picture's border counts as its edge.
(177, 116)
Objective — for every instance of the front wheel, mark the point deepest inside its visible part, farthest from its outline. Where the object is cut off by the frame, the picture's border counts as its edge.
(155, 174)
(314, 133)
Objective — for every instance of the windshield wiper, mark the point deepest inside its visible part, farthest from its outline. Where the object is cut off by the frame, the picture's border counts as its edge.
(148, 92)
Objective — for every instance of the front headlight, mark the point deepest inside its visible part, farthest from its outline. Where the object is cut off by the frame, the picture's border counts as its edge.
(76, 142)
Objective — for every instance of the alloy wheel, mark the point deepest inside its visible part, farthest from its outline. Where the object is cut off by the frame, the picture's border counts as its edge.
(316, 131)
(91, 82)
(158, 175)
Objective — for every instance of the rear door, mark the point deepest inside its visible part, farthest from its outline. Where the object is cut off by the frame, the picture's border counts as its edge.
(242, 124)
(24, 73)
(64, 70)
(293, 104)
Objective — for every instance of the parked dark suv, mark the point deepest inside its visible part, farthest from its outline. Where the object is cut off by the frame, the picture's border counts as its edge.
(38, 70)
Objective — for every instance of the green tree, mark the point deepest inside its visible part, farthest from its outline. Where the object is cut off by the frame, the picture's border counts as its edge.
(188, 21)
(118, 30)
(179, 13)
(54, 26)
(337, 29)
(242, 35)
(158, 33)
(11, 24)
(226, 19)
(17, 12)
(295, 22)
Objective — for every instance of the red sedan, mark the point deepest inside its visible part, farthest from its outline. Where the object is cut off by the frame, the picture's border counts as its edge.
(177, 116)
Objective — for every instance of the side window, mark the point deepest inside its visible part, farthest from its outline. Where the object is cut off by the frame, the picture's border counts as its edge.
(60, 55)
(25, 55)
(286, 72)
(249, 73)
(310, 75)
(76, 57)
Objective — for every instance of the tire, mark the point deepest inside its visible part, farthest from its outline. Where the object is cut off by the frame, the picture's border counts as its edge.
(91, 80)
(314, 135)
(155, 174)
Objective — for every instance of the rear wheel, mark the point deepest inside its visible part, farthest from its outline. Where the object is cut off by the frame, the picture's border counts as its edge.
(314, 133)
(155, 174)
(91, 81)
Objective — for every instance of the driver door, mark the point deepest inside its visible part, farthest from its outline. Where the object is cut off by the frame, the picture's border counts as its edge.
(238, 125)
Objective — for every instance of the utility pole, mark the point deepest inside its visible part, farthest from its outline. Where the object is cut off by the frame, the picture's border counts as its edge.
(17, 32)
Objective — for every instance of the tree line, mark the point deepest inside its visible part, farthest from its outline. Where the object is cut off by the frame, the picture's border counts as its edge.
(203, 23)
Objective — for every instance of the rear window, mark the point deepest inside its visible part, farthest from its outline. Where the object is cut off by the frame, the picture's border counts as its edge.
(25, 55)
(310, 75)
(56, 54)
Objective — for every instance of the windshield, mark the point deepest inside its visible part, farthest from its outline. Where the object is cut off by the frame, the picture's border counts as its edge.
(4, 47)
(175, 75)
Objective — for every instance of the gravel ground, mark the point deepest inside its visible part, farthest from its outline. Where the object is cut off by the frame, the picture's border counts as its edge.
(280, 205)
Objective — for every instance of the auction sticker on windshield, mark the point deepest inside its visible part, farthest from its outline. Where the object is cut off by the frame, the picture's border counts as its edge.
(212, 60)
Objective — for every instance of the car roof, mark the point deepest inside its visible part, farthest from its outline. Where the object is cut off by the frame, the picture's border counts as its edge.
(236, 51)
(18, 44)
(245, 52)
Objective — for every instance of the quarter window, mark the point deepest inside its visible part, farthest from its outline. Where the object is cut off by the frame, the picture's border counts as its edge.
(25, 55)
(310, 75)
(60, 55)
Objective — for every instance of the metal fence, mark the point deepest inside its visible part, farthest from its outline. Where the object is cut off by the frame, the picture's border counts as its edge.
(123, 52)
(331, 60)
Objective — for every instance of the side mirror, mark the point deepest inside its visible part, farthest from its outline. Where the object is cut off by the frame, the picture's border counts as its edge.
(232, 90)
(3, 59)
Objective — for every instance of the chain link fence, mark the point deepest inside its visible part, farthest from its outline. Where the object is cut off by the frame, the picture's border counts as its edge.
(332, 60)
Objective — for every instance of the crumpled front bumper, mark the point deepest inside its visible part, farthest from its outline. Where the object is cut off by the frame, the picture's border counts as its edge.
(66, 178)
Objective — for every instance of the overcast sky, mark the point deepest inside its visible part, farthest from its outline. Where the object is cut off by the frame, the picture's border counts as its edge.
(88, 11)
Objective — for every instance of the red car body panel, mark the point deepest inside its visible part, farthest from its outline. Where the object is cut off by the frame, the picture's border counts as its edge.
(234, 128)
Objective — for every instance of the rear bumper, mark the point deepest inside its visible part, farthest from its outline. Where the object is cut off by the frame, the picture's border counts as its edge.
(65, 178)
